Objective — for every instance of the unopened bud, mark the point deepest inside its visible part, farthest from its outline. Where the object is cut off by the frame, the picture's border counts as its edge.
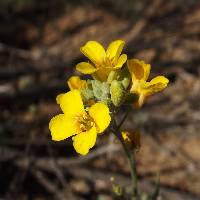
(117, 92)
(132, 140)
(112, 76)
(126, 82)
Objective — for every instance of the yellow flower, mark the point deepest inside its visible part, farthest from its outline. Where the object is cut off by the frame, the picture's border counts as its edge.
(139, 73)
(103, 61)
(75, 82)
(77, 122)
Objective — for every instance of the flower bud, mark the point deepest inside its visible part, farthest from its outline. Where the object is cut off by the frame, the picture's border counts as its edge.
(112, 76)
(125, 82)
(117, 92)
(132, 140)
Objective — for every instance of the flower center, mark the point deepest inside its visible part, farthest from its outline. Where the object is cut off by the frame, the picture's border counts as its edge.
(84, 122)
(109, 62)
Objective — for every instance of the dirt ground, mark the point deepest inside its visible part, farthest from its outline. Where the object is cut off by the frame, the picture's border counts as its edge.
(39, 47)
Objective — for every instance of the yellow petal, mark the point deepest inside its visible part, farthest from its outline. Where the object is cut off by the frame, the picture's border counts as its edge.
(122, 59)
(100, 113)
(84, 141)
(61, 127)
(140, 101)
(85, 68)
(75, 82)
(94, 51)
(155, 85)
(138, 88)
(59, 97)
(102, 74)
(138, 69)
(159, 79)
(114, 49)
(71, 103)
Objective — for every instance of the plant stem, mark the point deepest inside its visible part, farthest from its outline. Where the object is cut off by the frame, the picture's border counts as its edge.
(123, 119)
(131, 158)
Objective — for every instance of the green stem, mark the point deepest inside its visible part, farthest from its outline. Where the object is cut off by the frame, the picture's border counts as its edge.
(131, 159)
(124, 118)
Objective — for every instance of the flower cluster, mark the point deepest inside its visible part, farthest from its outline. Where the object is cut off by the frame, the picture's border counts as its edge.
(89, 106)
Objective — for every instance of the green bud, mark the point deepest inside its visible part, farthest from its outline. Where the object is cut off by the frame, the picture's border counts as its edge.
(87, 92)
(125, 77)
(125, 82)
(117, 92)
(101, 91)
(120, 75)
(112, 76)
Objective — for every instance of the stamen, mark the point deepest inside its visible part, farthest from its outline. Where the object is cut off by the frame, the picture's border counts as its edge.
(109, 61)
(84, 122)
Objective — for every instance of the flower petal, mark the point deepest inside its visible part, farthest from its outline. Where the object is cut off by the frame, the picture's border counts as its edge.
(94, 51)
(100, 113)
(138, 69)
(140, 101)
(102, 74)
(61, 127)
(84, 141)
(122, 59)
(75, 82)
(59, 97)
(71, 103)
(114, 49)
(155, 85)
(85, 68)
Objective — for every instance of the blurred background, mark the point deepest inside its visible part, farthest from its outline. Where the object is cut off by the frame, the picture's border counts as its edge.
(39, 47)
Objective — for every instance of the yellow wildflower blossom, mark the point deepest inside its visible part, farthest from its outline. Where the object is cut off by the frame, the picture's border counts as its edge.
(140, 72)
(75, 82)
(103, 61)
(77, 122)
